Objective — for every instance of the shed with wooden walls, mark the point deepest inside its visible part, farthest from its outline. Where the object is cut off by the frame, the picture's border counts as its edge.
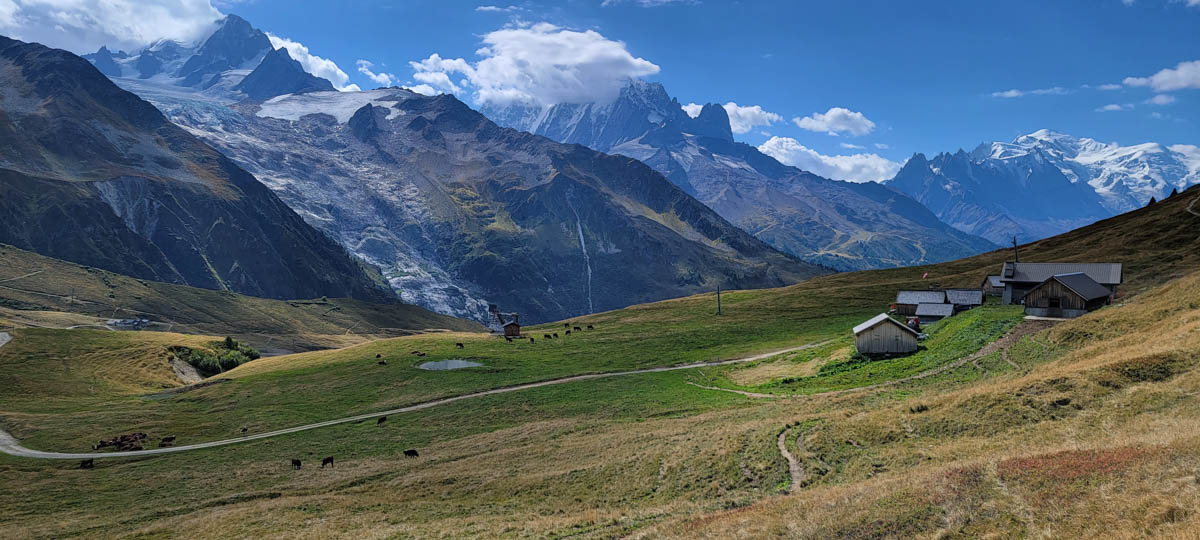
(1067, 296)
(884, 335)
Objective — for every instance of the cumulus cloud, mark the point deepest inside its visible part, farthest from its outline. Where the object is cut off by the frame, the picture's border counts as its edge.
(854, 167)
(539, 63)
(1114, 107)
(693, 109)
(382, 79)
(82, 26)
(1111, 86)
(851, 146)
(1014, 93)
(423, 89)
(321, 67)
(1184, 75)
(836, 121)
(881, 146)
(1161, 99)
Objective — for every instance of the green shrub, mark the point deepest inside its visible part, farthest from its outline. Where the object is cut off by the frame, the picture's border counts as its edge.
(224, 356)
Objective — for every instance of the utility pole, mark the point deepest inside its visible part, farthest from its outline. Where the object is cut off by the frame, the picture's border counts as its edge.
(718, 299)
(1016, 254)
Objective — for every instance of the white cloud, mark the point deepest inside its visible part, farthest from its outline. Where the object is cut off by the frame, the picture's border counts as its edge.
(83, 26)
(497, 9)
(382, 79)
(321, 67)
(741, 119)
(855, 167)
(423, 89)
(1014, 93)
(1114, 107)
(1184, 75)
(1161, 99)
(540, 63)
(851, 146)
(649, 3)
(1109, 87)
(881, 146)
(836, 120)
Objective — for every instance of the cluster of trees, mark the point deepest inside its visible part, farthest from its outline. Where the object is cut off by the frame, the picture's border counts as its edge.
(224, 356)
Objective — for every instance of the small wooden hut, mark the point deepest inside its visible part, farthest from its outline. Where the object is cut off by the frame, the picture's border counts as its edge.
(1067, 296)
(884, 335)
(512, 329)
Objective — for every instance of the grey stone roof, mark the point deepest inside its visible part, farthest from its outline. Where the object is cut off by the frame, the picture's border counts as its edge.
(882, 318)
(920, 297)
(965, 297)
(1102, 273)
(935, 310)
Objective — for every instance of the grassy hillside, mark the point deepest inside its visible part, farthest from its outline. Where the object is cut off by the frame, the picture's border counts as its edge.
(1082, 429)
(31, 283)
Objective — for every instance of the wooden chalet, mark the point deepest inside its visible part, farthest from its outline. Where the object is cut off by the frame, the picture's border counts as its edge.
(1019, 278)
(884, 335)
(1066, 295)
(907, 301)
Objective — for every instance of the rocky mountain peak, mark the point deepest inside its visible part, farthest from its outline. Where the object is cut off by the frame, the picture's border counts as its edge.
(280, 74)
(713, 121)
(236, 44)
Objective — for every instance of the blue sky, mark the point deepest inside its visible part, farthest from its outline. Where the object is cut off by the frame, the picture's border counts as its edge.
(884, 77)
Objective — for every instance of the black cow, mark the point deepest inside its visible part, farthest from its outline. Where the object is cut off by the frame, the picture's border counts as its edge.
(458, 345)
(295, 464)
(590, 327)
(577, 329)
(382, 362)
(531, 340)
(566, 325)
(508, 339)
(87, 464)
(568, 332)
(410, 453)
(381, 420)
(167, 441)
(243, 431)
(556, 335)
(378, 356)
(545, 336)
(327, 461)
(420, 354)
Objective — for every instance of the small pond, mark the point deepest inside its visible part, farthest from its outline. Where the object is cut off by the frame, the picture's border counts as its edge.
(442, 365)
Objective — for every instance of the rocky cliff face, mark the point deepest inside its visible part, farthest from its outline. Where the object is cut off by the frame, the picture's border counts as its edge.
(840, 224)
(279, 74)
(460, 212)
(95, 175)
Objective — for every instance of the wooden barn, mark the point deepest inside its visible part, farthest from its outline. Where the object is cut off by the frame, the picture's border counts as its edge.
(884, 335)
(992, 286)
(1019, 278)
(1066, 295)
(512, 329)
(928, 313)
(964, 299)
(907, 301)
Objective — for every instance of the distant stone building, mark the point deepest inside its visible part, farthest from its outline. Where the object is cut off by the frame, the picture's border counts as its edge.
(884, 335)
(1066, 295)
(964, 299)
(1019, 278)
(928, 313)
(907, 301)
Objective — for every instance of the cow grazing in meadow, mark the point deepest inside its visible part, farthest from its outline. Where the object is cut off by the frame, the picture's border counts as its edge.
(545, 336)
(295, 464)
(244, 430)
(590, 327)
(566, 325)
(87, 464)
(420, 354)
(577, 329)
(568, 332)
(508, 339)
(381, 420)
(556, 335)
(410, 453)
(458, 345)
(327, 461)
(167, 441)
(382, 362)
(531, 340)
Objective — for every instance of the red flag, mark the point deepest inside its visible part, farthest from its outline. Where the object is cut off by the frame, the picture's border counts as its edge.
(925, 275)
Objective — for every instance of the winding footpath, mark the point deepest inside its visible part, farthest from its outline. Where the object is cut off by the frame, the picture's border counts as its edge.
(12, 447)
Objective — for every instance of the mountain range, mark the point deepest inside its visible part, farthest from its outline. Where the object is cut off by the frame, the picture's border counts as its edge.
(1044, 183)
(94, 175)
(844, 225)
